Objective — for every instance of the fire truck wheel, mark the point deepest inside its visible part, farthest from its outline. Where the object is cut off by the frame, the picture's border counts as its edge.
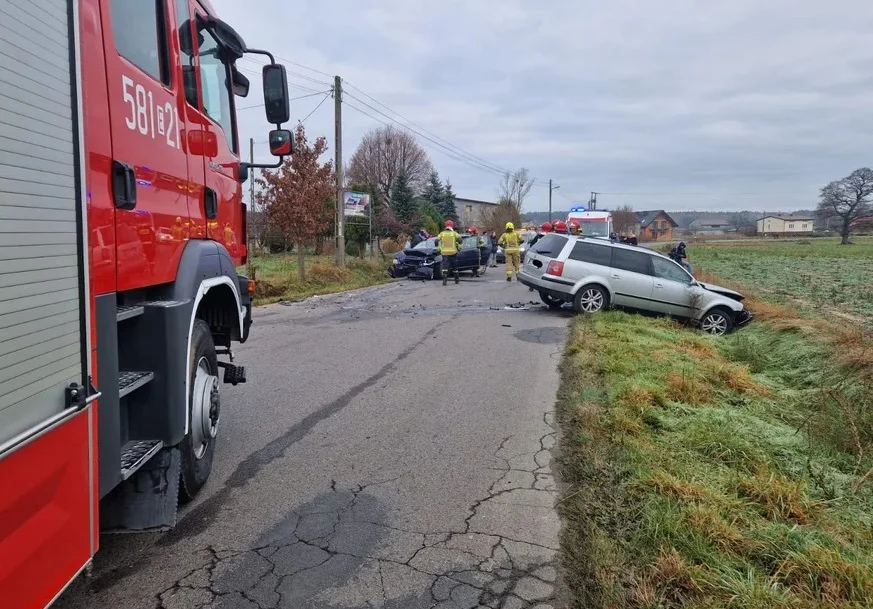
(198, 447)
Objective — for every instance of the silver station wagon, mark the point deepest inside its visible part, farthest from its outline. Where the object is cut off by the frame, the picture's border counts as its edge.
(595, 274)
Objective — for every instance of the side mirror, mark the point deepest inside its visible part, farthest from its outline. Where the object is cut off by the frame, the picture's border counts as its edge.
(281, 142)
(228, 38)
(241, 84)
(277, 106)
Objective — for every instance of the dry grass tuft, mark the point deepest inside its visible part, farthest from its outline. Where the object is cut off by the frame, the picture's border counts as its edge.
(707, 522)
(823, 575)
(777, 496)
(671, 486)
(330, 274)
(686, 388)
(674, 579)
(737, 377)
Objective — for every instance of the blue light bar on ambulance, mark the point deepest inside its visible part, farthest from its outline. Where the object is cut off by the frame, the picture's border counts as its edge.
(579, 208)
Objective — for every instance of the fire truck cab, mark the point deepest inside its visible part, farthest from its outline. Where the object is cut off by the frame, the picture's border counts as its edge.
(121, 226)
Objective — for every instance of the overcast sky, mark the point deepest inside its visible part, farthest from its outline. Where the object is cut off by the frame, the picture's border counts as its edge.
(747, 104)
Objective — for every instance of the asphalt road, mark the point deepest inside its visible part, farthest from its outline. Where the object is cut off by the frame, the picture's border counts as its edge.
(391, 449)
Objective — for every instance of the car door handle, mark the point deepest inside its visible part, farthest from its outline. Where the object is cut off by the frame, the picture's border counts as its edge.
(123, 185)
(659, 285)
(210, 204)
(615, 276)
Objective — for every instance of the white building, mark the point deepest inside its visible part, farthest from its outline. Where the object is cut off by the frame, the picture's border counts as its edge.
(776, 225)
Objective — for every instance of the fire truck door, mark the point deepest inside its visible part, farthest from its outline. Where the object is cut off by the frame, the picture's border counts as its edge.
(47, 454)
(149, 163)
(223, 189)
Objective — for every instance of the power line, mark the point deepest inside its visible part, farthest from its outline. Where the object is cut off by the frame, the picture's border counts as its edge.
(316, 107)
(292, 99)
(451, 152)
(291, 72)
(457, 148)
(439, 148)
(290, 84)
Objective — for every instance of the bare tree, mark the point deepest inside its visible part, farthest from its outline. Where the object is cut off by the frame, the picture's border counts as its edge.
(847, 199)
(624, 220)
(495, 217)
(380, 157)
(515, 186)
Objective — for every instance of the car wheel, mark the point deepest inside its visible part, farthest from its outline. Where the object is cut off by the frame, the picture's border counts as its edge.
(551, 301)
(716, 322)
(590, 299)
(198, 447)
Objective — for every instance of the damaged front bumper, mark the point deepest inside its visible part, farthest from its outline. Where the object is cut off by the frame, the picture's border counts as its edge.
(742, 318)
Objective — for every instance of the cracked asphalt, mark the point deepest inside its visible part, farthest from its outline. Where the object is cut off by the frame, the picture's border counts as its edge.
(392, 449)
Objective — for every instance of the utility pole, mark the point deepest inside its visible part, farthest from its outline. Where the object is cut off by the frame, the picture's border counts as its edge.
(252, 203)
(593, 202)
(551, 188)
(338, 147)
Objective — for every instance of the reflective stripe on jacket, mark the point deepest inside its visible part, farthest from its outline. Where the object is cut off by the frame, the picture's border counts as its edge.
(448, 241)
(510, 242)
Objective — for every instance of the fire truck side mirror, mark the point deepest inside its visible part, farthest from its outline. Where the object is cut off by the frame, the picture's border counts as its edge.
(228, 38)
(281, 142)
(276, 103)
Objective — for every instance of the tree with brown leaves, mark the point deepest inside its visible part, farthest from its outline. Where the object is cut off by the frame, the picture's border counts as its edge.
(624, 220)
(382, 155)
(294, 195)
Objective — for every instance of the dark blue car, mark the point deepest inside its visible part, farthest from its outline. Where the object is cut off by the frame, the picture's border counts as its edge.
(424, 260)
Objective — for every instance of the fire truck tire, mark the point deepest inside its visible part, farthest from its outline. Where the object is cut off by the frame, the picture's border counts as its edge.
(198, 447)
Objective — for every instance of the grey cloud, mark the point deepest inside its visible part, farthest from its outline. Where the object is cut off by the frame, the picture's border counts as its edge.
(657, 97)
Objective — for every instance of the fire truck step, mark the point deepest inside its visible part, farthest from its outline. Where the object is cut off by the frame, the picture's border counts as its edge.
(233, 374)
(136, 453)
(123, 312)
(131, 381)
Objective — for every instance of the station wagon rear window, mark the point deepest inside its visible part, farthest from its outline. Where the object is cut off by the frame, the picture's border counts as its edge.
(592, 253)
(550, 245)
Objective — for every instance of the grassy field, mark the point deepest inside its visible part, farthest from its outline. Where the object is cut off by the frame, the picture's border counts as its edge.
(717, 472)
(813, 275)
(276, 277)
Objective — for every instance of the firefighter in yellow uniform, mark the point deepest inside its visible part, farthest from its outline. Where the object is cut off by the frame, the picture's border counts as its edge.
(510, 241)
(449, 243)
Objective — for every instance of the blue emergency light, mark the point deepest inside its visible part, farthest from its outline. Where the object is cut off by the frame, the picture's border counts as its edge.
(579, 208)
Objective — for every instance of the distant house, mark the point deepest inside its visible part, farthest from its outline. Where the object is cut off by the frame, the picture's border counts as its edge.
(779, 225)
(863, 224)
(655, 225)
(471, 211)
(710, 225)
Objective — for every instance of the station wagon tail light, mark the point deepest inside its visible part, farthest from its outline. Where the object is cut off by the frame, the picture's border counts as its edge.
(555, 268)
(251, 287)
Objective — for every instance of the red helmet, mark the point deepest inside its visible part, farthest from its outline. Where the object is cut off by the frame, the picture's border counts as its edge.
(574, 226)
(450, 224)
(559, 227)
(546, 227)
(473, 230)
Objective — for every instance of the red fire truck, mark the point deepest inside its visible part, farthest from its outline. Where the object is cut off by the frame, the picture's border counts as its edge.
(121, 226)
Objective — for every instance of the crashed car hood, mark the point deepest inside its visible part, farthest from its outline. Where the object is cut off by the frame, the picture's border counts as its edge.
(723, 291)
(422, 252)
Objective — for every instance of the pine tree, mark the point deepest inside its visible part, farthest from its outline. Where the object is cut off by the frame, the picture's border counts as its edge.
(447, 203)
(403, 199)
(433, 190)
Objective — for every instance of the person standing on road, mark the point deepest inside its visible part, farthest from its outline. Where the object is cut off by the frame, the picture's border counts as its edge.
(492, 260)
(511, 242)
(545, 229)
(449, 243)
